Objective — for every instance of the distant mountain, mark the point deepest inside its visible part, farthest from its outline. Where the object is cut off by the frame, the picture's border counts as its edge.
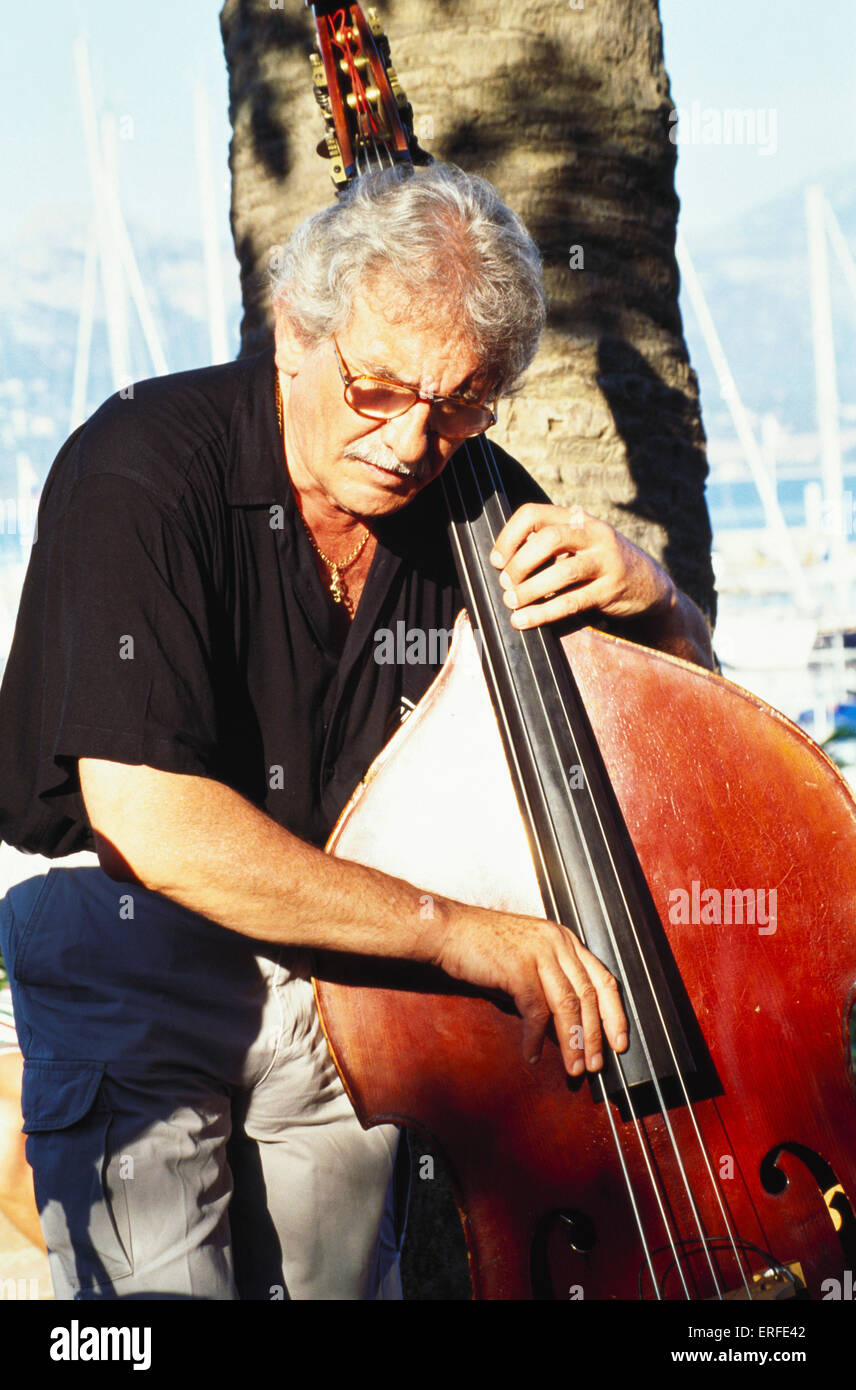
(755, 274)
(754, 271)
(41, 283)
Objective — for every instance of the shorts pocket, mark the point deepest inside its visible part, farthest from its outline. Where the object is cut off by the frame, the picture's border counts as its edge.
(18, 911)
(78, 1177)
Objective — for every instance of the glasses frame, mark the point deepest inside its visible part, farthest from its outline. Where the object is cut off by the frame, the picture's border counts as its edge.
(349, 378)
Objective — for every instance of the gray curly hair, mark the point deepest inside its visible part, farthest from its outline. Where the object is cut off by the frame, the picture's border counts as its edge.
(443, 240)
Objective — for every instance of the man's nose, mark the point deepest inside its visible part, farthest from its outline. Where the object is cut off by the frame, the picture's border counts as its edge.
(408, 434)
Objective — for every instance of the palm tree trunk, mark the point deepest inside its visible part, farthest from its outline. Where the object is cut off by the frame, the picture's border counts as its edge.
(564, 106)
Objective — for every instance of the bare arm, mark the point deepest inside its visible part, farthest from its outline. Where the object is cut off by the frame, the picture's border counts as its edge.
(17, 1201)
(206, 847)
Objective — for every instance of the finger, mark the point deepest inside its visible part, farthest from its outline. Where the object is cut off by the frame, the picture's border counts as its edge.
(574, 1010)
(540, 548)
(608, 993)
(551, 996)
(566, 572)
(582, 997)
(533, 517)
(600, 1007)
(533, 1010)
(528, 518)
(579, 600)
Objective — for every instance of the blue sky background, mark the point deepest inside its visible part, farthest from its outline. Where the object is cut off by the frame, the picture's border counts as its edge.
(791, 55)
(145, 60)
(794, 56)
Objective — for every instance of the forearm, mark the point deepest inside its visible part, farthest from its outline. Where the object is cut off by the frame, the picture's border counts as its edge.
(206, 847)
(678, 628)
(17, 1201)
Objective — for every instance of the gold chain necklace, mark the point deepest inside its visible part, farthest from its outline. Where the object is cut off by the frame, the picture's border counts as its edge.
(336, 567)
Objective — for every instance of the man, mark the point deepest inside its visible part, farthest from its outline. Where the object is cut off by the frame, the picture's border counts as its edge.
(194, 688)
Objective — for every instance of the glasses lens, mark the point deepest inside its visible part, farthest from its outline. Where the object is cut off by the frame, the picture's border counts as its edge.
(377, 399)
(457, 420)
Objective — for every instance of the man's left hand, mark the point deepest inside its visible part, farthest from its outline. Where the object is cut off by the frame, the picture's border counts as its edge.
(559, 561)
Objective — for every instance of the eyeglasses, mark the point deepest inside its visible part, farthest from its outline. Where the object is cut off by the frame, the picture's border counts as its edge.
(377, 399)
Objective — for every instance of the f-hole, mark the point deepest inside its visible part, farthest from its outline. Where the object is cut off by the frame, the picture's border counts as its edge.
(831, 1189)
(558, 1235)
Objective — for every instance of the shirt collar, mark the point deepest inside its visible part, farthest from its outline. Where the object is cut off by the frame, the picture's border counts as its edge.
(255, 473)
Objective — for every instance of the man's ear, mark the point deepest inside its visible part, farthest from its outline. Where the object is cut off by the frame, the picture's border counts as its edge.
(290, 348)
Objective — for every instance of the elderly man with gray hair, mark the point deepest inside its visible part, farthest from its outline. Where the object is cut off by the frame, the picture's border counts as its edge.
(192, 693)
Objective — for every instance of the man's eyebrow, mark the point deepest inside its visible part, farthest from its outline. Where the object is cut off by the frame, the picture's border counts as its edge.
(382, 370)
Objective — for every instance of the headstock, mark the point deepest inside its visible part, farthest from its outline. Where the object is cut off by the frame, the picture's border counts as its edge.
(368, 119)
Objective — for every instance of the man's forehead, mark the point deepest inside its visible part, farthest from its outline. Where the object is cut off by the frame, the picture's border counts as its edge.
(389, 341)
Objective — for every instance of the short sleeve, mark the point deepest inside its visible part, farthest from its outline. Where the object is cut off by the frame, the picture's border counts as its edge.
(114, 645)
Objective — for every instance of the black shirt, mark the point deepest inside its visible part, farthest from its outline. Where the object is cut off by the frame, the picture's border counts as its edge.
(173, 615)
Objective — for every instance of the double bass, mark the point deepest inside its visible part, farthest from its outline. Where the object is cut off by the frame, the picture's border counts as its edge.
(700, 844)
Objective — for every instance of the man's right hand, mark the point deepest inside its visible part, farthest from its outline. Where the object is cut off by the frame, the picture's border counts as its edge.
(205, 846)
(548, 973)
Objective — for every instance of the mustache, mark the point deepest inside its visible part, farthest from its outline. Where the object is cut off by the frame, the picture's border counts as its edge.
(383, 457)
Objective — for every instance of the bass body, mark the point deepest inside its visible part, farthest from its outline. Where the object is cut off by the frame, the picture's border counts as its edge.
(740, 1181)
(644, 804)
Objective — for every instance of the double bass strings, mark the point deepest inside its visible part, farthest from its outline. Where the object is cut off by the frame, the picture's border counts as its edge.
(538, 636)
(497, 486)
(555, 913)
(375, 147)
(379, 149)
(371, 142)
(497, 491)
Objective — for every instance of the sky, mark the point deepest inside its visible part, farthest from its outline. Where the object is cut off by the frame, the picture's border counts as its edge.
(145, 61)
(792, 61)
(788, 61)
